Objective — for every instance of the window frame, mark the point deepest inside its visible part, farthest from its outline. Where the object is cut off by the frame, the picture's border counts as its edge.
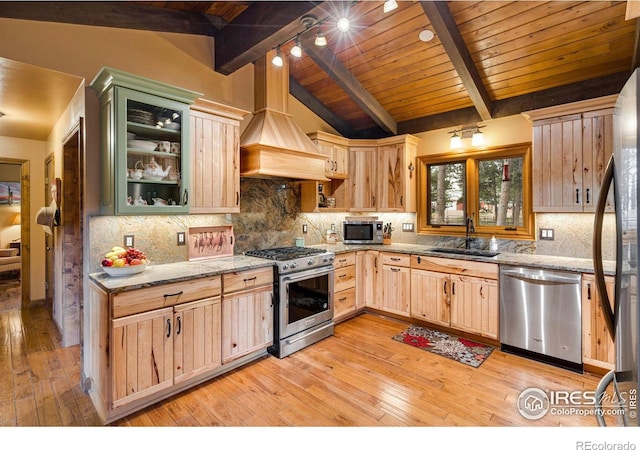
(472, 159)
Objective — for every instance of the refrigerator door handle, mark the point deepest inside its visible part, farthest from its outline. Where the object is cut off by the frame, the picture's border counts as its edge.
(601, 286)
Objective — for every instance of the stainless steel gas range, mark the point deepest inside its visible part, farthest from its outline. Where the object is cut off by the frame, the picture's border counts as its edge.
(303, 287)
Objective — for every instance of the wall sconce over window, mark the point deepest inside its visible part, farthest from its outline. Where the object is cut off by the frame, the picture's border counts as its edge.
(473, 132)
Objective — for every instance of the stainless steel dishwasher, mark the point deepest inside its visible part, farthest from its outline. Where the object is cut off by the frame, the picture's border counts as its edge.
(541, 315)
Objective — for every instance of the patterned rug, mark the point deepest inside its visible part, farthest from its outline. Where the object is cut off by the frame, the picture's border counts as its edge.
(459, 349)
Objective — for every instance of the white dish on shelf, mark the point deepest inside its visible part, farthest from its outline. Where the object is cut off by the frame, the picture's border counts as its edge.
(125, 271)
(152, 177)
(142, 145)
(172, 126)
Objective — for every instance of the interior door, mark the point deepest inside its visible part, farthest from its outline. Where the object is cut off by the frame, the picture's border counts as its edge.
(49, 177)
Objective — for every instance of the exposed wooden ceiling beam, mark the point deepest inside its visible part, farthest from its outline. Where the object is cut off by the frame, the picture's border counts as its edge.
(585, 90)
(319, 109)
(260, 28)
(112, 14)
(328, 62)
(635, 58)
(449, 35)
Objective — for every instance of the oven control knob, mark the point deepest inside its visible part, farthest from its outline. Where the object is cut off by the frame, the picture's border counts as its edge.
(309, 262)
(294, 265)
(285, 266)
(328, 259)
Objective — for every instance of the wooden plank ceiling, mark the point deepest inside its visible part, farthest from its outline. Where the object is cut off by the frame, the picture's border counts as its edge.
(488, 59)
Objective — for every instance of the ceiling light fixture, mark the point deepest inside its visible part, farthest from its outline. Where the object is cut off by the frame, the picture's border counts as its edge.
(389, 6)
(296, 50)
(426, 35)
(343, 24)
(473, 132)
(309, 22)
(277, 60)
(321, 40)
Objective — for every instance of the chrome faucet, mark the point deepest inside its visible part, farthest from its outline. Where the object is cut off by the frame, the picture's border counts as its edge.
(470, 229)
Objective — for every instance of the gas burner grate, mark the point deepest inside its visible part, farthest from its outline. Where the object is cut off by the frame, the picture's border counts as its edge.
(284, 253)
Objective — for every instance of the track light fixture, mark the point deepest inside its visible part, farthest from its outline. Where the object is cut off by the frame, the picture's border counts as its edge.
(309, 22)
(473, 132)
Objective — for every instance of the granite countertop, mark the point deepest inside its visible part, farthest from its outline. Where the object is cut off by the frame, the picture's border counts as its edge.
(187, 270)
(583, 265)
(181, 271)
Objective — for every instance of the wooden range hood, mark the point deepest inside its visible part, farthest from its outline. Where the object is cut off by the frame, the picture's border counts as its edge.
(273, 145)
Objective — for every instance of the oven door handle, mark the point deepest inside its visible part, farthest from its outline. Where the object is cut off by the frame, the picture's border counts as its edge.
(305, 274)
(300, 338)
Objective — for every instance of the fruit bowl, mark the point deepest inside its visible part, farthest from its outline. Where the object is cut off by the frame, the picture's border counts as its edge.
(124, 271)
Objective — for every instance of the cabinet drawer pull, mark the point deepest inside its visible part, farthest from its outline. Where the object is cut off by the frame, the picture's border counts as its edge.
(395, 269)
(341, 299)
(342, 260)
(173, 295)
(396, 259)
(179, 325)
(246, 280)
(168, 327)
(342, 275)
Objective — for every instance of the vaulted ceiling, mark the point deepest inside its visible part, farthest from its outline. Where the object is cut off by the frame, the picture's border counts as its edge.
(488, 59)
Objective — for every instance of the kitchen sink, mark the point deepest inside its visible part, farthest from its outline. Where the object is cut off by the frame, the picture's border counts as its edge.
(464, 251)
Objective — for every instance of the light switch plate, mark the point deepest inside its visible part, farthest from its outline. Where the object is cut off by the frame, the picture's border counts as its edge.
(407, 227)
(546, 234)
(129, 240)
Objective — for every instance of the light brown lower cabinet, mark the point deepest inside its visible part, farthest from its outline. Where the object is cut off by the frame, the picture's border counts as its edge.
(598, 348)
(443, 293)
(368, 279)
(344, 289)
(247, 313)
(396, 283)
(144, 345)
(154, 350)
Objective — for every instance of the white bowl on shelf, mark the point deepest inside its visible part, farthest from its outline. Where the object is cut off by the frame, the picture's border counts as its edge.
(125, 271)
(142, 145)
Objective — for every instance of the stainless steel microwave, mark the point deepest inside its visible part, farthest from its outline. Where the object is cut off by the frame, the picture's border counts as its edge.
(362, 230)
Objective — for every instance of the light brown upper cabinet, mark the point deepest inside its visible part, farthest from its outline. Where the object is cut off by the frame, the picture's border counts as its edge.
(215, 157)
(571, 147)
(382, 174)
(336, 150)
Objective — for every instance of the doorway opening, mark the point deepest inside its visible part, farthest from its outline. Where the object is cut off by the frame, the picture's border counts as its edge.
(14, 234)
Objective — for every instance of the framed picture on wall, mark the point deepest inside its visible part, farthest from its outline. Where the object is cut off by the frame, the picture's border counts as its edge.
(210, 242)
(9, 193)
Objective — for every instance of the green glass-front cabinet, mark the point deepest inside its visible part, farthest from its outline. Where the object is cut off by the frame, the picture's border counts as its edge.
(144, 144)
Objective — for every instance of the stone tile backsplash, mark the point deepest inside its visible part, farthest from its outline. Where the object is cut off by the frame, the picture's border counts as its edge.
(270, 216)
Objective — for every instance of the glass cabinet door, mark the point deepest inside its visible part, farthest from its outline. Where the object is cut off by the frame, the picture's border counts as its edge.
(151, 154)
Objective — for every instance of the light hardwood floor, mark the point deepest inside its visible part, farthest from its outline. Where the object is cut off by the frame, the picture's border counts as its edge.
(358, 377)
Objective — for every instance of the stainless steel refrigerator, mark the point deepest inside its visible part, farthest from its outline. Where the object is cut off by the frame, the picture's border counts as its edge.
(620, 386)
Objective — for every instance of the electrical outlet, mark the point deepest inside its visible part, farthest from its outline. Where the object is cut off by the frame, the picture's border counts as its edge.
(333, 227)
(128, 240)
(304, 228)
(181, 238)
(407, 227)
(546, 234)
